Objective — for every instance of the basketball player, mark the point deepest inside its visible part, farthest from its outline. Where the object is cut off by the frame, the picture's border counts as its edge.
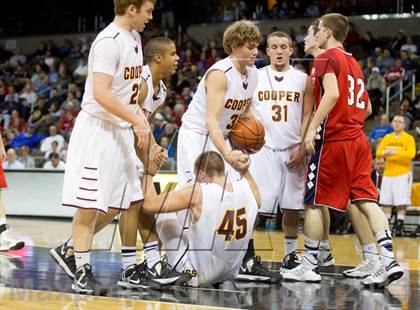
(283, 102)
(7, 242)
(222, 216)
(224, 94)
(161, 59)
(359, 221)
(100, 170)
(340, 166)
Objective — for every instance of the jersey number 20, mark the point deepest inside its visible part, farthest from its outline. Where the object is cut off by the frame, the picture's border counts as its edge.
(234, 224)
(352, 92)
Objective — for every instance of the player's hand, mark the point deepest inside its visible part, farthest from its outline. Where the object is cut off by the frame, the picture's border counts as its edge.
(309, 142)
(159, 155)
(297, 159)
(151, 168)
(142, 131)
(238, 160)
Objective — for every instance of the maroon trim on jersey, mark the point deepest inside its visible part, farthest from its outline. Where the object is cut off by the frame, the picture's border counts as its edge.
(228, 69)
(244, 85)
(279, 79)
(90, 168)
(267, 214)
(88, 189)
(86, 199)
(114, 37)
(80, 207)
(90, 179)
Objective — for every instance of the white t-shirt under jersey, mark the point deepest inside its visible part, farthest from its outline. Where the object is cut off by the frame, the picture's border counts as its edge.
(152, 101)
(278, 101)
(215, 251)
(238, 95)
(116, 52)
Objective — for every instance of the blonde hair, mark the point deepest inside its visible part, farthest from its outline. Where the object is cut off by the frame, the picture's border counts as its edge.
(338, 24)
(120, 6)
(240, 33)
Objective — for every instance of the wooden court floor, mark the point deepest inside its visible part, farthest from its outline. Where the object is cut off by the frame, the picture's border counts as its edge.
(29, 279)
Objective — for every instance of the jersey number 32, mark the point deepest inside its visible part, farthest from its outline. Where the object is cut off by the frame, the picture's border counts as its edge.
(356, 91)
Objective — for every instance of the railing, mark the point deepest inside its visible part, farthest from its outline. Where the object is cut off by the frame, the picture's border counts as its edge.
(411, 83)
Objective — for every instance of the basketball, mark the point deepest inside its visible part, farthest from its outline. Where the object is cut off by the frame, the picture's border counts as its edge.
(247, 134)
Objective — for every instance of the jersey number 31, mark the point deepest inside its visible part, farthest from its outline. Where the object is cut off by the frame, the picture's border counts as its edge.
(234, 224)
(352, 92)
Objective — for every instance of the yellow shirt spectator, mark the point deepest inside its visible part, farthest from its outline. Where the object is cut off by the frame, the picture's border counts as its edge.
(398, 149)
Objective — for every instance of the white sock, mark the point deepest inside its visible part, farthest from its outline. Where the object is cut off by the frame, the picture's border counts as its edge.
(401, 217)
(82, 258)
(128, 256)
(324, 245)
(290, 245)
(311, 250)
(70, 241)
(370, 249)
(3, 221)
(151, 253)
(386, 248)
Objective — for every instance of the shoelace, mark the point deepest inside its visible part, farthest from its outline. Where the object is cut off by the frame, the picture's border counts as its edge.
(362, 265)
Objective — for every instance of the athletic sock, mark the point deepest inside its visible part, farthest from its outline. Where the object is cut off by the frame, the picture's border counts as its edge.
(370, 249)
(386, 248)
(290, 245)
(311, 250)
(151, 253)
(82, 258)
(128, 256)
(250, 252)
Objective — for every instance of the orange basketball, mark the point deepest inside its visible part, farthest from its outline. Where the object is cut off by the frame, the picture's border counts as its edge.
(247, 134)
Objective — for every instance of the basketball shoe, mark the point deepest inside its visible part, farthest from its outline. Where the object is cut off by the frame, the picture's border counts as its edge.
(8, 243)
(384, 274)
(134, 277)
(364, 269)
(290, 261)
(164, 274)
(305, 272)
(253, 270)
(63, 255)
(84, 282)
(325, 258)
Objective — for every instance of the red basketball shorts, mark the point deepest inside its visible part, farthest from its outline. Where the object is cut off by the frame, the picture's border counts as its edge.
(339, 171)
(3, 183)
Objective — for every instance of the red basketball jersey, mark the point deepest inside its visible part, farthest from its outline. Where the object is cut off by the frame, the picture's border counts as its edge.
(347, 118)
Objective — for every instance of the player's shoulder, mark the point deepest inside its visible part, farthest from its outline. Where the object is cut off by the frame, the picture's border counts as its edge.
(146, 73)
(110, 31)
(298, 73)
(224, 65)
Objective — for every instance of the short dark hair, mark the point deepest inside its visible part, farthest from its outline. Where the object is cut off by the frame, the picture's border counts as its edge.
(53, 155)
(120, 6)
(156, 45)
(211, 163)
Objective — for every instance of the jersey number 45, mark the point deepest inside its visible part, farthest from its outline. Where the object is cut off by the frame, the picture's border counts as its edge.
(234, 224)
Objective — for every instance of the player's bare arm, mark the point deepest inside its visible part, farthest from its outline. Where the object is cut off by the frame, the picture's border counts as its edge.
(298, 155)
(2, 150)
(216, 86)
(328, 101)
(103, 95)
(187, 198)
(369, 109)
(247, 176)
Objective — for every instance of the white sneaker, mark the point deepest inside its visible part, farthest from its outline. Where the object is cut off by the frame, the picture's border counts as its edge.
(7, 243)
(305, 272)
(325, 258)
(364, 269)
(383, 275)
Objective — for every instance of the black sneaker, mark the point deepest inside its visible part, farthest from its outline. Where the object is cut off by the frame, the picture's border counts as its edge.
(290, 261)
(399, 228)
(163, 273)
(64, 257)
(253, 270)
(84, 282)
(134, 277)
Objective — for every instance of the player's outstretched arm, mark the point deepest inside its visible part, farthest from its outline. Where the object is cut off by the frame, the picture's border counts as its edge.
(170, 201)
(328, 101)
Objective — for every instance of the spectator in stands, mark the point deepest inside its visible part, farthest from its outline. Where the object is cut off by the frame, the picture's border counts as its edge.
(368, 43)
(17, 122)
(395, 73)
(52, 149)
(377, 53)
(167, 8)
(158, 126)
(385, 61)
(399, 40)
(67, 120)
(17, 58)
(54, 162)
(6, 109)
(28, 93)
(378, 172)
(376, 83)
(409, 46)
(63, 152)
(81, 71)
(407, 62)
(25, 158)
(381, 130)
(239, 9)
(63, 79)
(312, 11)
(408, 112)
(11, 161)
(28, 138)
(46, 144)
(398, 149)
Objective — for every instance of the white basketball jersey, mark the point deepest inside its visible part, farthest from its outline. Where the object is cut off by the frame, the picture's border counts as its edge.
(152, 101)
(219, 239)
(238, 96)
(116, 52)
(278, 102)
